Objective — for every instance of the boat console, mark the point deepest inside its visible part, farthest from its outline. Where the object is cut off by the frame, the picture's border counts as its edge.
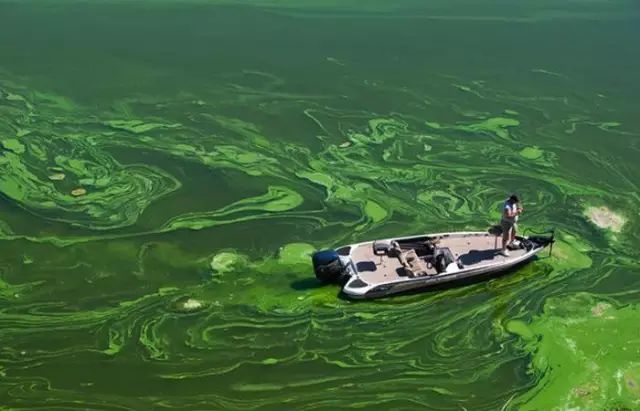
(417, 258)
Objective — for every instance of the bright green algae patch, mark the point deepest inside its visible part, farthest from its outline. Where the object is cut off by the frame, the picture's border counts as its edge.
(296, 253)
(14, 145)
(277, 199)
(585, 355)
(232, 270)
(373, 210)
(570, 253)
(137, 126)
(31, 168)
(496, 126)
(531, 153)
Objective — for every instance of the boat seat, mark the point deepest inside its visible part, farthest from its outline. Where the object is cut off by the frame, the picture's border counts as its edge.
(386, 248)
(495, 230)
(413, 265)
(382, 247)
(395, 250)
(442, 258)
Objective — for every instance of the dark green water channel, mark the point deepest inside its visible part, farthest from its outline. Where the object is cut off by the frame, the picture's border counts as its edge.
(167, 167)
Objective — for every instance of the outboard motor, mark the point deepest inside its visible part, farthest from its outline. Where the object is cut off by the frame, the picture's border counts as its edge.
(327, 266)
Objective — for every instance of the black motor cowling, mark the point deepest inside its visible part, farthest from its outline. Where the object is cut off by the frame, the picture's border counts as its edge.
(327, 266)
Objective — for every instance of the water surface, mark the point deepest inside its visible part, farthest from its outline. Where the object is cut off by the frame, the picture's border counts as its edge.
(168, 167)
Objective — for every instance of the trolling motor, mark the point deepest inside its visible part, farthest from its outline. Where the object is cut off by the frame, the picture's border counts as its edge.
(544, 240)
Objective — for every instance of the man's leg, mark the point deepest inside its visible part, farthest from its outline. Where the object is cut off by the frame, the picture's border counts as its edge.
(507, 229)
(506, 235)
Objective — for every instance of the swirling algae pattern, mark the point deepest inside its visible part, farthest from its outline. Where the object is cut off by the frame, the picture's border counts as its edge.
(179, 309)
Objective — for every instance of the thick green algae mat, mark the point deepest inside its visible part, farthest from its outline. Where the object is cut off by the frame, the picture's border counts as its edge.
(167, 168)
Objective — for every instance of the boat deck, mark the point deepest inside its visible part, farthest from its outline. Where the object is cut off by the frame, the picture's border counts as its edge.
(474, 249)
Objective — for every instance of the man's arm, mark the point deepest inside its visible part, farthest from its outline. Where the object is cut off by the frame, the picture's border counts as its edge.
(510, 212)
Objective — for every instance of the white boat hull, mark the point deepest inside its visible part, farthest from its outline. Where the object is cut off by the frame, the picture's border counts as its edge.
(363, 284)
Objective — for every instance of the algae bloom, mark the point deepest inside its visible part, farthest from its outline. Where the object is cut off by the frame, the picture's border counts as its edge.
(585, 354)
(168, 168)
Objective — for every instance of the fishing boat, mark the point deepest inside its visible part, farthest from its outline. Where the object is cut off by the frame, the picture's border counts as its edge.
(380, 268)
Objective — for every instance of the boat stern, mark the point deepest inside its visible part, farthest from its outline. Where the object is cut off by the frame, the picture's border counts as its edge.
(331, 267)
(356, 287)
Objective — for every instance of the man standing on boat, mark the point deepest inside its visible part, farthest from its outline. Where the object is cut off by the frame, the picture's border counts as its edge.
(510, 213)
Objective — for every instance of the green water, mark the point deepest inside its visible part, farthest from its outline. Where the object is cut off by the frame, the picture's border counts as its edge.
(166, 168)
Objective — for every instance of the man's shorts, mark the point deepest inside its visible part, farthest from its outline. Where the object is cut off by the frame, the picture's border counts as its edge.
(507, 226)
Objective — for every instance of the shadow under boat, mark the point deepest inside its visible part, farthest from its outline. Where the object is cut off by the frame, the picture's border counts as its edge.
(306, 284)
